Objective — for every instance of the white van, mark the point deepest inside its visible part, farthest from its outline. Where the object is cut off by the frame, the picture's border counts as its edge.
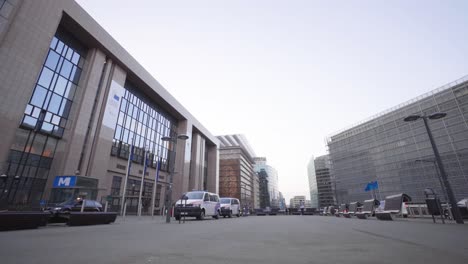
(229, 207)
(197, 204)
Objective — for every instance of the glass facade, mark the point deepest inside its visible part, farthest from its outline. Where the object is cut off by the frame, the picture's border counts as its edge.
(141, 123)
(324, 181)
(43, 124)
(312, 184)
(385, 149)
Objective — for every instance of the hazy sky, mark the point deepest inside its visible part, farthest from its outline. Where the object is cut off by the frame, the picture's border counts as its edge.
(287, 74)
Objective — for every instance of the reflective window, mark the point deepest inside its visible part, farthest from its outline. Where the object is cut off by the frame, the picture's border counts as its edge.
(55, 89)
(141, 123)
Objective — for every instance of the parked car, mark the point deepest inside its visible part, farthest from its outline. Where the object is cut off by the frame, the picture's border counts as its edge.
(197, 204)
(74, 205)
(230, 206)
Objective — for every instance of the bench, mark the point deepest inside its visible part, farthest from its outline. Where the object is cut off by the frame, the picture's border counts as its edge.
(352, 209)
(341, 210)
(368, 209)
(12, 220)
(393, 206)
(91, 218)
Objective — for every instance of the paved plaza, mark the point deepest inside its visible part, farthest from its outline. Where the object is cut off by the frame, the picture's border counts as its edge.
(254, 239)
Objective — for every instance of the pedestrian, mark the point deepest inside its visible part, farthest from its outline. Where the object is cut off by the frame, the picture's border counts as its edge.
(302, 207)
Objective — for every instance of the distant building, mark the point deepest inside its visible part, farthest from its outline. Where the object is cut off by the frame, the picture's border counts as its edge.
(398, 154)
(272, 179)
(282, 201)
(296, 201)
(324, 181)
(236, 175)
(312, 184)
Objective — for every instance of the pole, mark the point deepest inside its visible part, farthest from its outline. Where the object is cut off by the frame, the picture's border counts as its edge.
(142, 184)
(156, 180)
(169, 188)
(442, 186)
(455, 212)
(124, 191)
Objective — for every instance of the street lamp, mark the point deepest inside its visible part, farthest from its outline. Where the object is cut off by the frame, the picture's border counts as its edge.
(171, 174)
(455, 212)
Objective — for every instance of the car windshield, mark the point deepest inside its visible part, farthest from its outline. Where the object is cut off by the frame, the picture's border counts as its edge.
(225, 200)
(194, 195)
(71, 201)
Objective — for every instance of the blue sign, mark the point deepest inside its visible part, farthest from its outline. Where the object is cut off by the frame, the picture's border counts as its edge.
(116, 97)
(42, 203)
(65, 181)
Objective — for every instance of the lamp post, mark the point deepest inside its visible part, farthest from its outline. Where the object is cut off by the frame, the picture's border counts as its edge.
(455, 211)
(171, 174)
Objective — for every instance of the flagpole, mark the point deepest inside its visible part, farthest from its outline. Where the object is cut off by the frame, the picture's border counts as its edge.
(129, 164)
(156, 179)
(142, 183)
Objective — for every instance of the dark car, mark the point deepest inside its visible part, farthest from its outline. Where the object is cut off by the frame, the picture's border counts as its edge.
(75, 206)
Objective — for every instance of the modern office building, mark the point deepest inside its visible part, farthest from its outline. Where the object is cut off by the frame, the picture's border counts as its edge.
(282, 201)
(272, 178)
(236, 175)
(398, 154)
(312, 183)
(324, 181)
(296, 202)
(74, 104)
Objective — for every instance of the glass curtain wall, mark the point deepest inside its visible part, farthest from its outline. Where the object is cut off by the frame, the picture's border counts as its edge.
(386, 149)
(43, 124)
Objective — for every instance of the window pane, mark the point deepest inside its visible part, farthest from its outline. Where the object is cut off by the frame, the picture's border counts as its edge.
(59, 47)
(54, 105)
(48, 117)
(61, 85)
(46, 77)
(70, 93)
(46, 127)
(66, 69)
(29, 121)
(65, 110)
(52, 60)
(53, 44)
(56, 120)
(76, 58)
(38, 96)
(28, 109)
(75, 77)
(69, 54)
(36, 112)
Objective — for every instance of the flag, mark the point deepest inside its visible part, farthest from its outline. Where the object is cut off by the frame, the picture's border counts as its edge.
(157, 170)
(372, 186)
(367, 187)
(375, 185)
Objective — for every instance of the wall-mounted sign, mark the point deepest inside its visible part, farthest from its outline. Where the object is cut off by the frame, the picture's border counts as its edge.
(64, 181)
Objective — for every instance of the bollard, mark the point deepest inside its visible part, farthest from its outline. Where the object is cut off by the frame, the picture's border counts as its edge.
(105, 206)
(124, 210)
(83, 205)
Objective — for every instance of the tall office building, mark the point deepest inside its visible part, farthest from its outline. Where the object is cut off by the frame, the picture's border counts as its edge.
(324, 181)
(312, 183)
(272, 178)
(74, 104)
(398, 154)
(236, 174)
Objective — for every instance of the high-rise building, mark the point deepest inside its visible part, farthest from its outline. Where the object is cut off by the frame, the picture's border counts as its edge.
(272, 179)
(324, 181)
(74, 104)
(398, 154)
(312, 183)
(236, 174)
(282, 201)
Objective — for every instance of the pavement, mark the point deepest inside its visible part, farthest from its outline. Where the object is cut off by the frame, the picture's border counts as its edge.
(253, 239)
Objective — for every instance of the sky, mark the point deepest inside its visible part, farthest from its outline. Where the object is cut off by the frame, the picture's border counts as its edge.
(288, 74)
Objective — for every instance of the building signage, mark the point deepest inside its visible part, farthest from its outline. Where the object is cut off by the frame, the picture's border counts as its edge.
(116, 93)
(64, 181)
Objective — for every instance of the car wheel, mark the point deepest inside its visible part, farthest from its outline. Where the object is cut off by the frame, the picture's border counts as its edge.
(230, 214)
(202, 215)
(216, 216)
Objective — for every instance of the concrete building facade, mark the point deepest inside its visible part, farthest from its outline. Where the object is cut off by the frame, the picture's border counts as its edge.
(398, 154)
(236, 175)
(74, 104)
